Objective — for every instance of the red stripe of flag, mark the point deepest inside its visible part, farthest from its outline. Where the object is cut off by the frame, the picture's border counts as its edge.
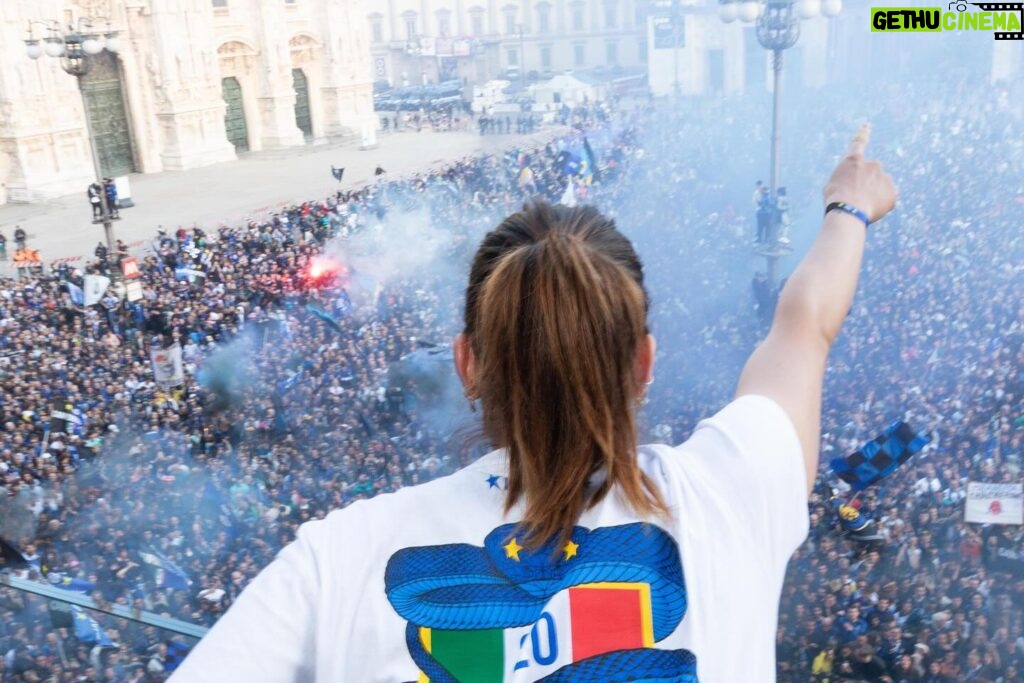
(605, 620)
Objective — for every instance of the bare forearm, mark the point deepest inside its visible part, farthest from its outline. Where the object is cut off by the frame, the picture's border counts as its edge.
(821, 289)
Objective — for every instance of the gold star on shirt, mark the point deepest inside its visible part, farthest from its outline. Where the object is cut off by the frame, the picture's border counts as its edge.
(570, 550)
(512, 550)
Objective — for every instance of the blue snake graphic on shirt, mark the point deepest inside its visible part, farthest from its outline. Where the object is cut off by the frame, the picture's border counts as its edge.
(593, 611)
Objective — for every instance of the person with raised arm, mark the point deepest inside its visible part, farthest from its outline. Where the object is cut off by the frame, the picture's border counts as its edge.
(570, 553)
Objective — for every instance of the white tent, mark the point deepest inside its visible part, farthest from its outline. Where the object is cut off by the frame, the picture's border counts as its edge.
(566, 88)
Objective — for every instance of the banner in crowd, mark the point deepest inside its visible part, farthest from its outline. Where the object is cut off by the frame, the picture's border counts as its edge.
(1003, 551)
(64, 419)
(130, 268)
(193, 276)
(11, 557)
(994, 503)
(133, 290)
(95, 288)
(168, 368)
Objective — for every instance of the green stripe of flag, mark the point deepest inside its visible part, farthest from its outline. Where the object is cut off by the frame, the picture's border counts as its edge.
(470, 656)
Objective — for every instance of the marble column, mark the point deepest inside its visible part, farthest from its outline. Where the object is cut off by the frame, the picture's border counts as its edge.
(189, 105)
(275, 101)
(347, 91)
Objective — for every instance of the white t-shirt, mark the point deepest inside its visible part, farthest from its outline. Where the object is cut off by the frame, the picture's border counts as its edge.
(431, 583)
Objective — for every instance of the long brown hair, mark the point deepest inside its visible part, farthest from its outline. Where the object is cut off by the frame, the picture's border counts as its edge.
(556, 311)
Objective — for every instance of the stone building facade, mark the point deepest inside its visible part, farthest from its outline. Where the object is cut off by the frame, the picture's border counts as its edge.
(194, 82)
(413, 42)
(692, 52)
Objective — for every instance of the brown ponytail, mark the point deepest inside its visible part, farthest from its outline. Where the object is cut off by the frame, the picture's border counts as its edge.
(555, 314)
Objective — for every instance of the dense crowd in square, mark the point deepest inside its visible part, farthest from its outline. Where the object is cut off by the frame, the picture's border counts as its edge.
(284, 413)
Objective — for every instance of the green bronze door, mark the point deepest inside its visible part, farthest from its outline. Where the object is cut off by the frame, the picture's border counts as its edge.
(234, 115)
(302, 119)
(105, 108)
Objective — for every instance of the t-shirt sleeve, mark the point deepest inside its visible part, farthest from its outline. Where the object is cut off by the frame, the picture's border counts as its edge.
(749, 453)
(269, 633)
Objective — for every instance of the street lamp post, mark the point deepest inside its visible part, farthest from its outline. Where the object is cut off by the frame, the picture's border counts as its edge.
(676, 17)
(75, 47)
(521, 30)
(777, 26)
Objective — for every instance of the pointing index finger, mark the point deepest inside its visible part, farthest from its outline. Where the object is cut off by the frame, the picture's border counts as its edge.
(860, 140)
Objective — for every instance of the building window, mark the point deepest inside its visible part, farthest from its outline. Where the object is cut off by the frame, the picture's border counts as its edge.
(510, 21)
(377, 29)
(579, 55)
(611, 14)
(545, 57)
(544, 18)
(444, 23)
(476, 23)
(411, 31)
(513, 57)
(578, 16)
(640, 10)
(611, 52)
(641, 50)
(289, 2)
(220, 3)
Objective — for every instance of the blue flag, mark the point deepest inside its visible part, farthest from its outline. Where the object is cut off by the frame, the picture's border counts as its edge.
(176, 653)
(70, 583)
(173, 576)
(168, 574)
(879, 457)
(325, 316)
(88, 630)
(344, 304)
(568, 163)
(289, 383)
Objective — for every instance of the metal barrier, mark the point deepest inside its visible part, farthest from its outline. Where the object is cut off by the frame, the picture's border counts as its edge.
(84, 601)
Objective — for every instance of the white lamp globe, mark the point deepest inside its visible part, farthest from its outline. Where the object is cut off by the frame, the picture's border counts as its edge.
(113, 42)
(33, 49)
(749, 10)
(54, 47)
(728, 12)
(808, 9)
(831, 8)
(92, 46)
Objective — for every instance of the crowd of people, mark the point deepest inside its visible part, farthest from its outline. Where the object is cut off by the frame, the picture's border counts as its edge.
(171, 499)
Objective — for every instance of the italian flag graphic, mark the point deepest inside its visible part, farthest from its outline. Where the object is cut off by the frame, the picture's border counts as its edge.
(578, 623)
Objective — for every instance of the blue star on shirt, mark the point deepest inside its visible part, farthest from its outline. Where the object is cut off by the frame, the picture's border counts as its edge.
(492, 481)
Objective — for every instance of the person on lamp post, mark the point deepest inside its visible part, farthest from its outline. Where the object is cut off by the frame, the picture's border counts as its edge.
(96, 194)
(110, 192)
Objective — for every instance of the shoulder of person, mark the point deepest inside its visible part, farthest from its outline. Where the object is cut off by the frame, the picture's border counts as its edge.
(435, 508)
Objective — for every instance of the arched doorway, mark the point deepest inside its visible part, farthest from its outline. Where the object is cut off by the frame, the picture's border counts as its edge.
(234, 114)
(105, 107)
(302, 116)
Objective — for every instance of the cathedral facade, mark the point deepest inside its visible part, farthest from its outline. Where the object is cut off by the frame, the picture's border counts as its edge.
(191, 83)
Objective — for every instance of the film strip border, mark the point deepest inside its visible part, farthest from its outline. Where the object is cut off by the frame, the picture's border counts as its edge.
(1004, 7)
